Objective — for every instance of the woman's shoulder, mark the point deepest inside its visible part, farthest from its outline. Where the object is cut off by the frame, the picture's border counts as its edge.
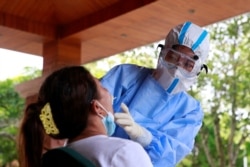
(125, 144)
(132, 151)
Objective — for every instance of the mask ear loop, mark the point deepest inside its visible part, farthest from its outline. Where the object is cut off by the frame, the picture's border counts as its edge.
(205, 67)
(100, 107)
(160, 46)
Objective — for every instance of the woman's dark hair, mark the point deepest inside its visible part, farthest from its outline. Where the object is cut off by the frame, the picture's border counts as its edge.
(69, 92)
(31, 137)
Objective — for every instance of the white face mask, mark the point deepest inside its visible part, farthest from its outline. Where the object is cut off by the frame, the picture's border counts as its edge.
(171, 78)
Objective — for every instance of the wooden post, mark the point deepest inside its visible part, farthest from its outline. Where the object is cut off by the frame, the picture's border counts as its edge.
(56, 54)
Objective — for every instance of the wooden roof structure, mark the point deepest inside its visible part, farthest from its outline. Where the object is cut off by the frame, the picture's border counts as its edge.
(79, 31)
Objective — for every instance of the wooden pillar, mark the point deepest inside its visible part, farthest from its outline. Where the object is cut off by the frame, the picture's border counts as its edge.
(56, 54)
(30, 99)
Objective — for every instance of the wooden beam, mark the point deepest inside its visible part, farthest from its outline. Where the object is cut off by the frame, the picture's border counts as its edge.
(35, 27)
(117, 9)
(29, 88)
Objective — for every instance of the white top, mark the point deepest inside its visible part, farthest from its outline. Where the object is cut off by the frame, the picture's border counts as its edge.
(106, 151)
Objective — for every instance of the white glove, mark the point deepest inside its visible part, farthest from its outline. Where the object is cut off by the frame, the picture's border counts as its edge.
(135, 131)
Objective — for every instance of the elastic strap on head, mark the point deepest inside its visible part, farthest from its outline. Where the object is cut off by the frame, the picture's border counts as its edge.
(205, 67)
(161, 47)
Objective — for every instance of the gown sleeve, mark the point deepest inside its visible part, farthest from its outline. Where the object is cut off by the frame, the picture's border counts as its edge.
(175, 140)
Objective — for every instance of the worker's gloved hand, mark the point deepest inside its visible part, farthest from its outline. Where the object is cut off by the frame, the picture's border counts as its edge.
(135, 131)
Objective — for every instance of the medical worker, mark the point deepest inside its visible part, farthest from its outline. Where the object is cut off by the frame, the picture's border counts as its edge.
(161, 116)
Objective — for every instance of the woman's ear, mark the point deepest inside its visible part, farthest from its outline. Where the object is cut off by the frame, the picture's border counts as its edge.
(95, 107)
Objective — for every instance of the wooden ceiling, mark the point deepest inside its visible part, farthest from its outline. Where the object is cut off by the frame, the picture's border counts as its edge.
(104, 27)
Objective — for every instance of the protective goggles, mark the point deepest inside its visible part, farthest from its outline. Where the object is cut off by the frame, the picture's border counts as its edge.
(188, 66)
(180, 59)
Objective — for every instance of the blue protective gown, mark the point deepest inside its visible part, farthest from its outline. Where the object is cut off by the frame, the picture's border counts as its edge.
(173, 120)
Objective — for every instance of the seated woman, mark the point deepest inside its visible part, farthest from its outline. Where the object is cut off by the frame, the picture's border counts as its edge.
(72, 104)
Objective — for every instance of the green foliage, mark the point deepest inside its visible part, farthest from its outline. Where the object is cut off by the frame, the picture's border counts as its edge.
(11, 107)
(225, 134)
(143, 56)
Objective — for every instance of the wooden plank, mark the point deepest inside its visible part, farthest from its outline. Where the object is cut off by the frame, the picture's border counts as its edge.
(35, 27)
(115, 10)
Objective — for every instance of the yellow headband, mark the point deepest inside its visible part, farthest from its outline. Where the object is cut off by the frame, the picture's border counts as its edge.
(47, 120)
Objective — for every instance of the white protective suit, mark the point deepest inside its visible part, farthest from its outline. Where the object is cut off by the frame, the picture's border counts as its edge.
(173, 119)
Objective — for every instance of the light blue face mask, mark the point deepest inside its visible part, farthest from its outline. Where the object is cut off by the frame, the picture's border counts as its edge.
(108, 121)
(109, 124)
